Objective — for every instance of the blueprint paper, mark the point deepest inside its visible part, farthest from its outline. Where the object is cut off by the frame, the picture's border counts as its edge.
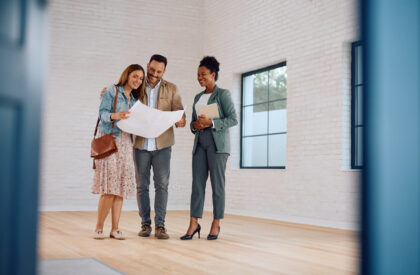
(148, 122)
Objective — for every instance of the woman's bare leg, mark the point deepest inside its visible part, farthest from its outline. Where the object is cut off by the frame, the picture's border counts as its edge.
(116, 212)
(105, 203)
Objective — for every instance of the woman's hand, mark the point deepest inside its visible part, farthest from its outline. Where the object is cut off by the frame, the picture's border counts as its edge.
(120, 115)
(205, 121)
(197, 125)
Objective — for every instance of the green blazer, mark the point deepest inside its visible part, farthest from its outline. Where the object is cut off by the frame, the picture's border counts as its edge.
(222, 124)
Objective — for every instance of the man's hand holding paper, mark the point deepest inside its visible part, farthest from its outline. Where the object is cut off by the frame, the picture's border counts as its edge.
(181, 123)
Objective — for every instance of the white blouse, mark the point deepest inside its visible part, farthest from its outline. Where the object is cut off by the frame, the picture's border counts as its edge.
(202, 101)
(204, 98)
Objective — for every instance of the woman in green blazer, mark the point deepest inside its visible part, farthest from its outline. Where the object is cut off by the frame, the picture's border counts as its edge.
(211, 147)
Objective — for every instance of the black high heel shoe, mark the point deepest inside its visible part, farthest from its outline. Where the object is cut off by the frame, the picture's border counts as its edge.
(189, 237)
(213, 237)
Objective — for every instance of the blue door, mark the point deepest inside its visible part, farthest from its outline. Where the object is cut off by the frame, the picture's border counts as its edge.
(391, 186)
(22, 66)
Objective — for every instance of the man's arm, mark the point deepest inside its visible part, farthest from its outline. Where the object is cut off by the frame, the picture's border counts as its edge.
(102, 92)
(177, 105)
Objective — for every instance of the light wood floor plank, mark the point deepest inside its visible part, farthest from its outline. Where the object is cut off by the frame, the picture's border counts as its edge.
(246, 246)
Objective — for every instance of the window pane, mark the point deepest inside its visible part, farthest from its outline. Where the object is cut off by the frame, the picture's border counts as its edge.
(264, 120)
(277, 117)
(254, 151)
(359, 105)
(277, 83)
(248, 90)
(255, 88)
(358, 67)
(277, 150)
(254, 123)
(262, 107)
(358, 143)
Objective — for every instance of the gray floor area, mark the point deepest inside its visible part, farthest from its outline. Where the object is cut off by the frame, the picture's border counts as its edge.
(78, 266)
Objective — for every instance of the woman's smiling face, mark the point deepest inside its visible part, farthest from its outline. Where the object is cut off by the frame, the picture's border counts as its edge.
(205, 77)
(135, 79)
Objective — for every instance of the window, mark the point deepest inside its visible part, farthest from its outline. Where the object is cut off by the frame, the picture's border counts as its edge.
(357, 125)
(264, 120)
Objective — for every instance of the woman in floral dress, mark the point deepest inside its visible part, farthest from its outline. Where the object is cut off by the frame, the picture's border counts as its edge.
(114, 177)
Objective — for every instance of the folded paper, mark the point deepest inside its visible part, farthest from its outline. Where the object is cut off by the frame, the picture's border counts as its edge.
(210, 111)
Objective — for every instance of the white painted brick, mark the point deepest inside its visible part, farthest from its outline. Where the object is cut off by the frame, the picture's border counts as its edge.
(310, 36)
(91, 42)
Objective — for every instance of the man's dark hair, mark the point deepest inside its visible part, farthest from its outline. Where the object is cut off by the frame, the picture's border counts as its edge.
(212, 64)
(159, 58)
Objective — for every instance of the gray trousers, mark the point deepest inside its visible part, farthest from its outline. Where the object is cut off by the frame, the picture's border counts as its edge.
(160, 161)
(205, 160)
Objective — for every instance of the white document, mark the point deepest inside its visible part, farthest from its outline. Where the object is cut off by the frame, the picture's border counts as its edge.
(148, 122)
(210, 111)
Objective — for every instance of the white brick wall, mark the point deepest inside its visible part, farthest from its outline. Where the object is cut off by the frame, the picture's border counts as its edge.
(247, 35)
(92, 42)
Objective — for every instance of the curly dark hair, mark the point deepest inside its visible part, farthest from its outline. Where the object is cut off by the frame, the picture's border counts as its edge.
(210, 63)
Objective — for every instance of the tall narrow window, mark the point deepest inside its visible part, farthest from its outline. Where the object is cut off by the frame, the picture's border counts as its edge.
(357, 125)
(264, 118)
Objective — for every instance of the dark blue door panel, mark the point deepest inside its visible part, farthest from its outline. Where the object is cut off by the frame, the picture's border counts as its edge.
(391, 186)
(22, 67)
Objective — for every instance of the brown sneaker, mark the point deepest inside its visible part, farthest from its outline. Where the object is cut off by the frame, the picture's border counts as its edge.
(145, 231)
(160, 232)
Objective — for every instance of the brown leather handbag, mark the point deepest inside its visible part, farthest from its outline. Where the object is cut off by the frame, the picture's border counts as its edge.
(105, 145)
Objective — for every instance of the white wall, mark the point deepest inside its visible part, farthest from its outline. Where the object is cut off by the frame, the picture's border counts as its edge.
(91, 43)
(314, 38)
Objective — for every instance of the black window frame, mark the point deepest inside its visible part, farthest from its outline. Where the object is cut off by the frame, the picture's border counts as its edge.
(268, 68)
(354, 140)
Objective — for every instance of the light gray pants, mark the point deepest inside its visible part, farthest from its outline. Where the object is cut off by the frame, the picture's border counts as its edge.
(160, 161)
(205, 160)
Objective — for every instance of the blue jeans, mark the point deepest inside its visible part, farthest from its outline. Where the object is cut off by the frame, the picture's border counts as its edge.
(160, 161)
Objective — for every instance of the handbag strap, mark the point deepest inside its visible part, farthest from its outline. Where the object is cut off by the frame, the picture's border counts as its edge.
(115, 105)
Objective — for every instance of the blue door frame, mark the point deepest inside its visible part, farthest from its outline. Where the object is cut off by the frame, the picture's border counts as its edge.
(23, 58)
(391, 181)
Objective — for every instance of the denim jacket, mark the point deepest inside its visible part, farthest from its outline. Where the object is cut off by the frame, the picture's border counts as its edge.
(107, 108)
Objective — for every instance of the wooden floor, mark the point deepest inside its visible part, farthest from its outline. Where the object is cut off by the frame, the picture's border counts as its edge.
(245, 246)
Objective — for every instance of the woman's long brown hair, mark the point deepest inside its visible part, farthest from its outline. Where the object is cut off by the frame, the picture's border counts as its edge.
(139, 92)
